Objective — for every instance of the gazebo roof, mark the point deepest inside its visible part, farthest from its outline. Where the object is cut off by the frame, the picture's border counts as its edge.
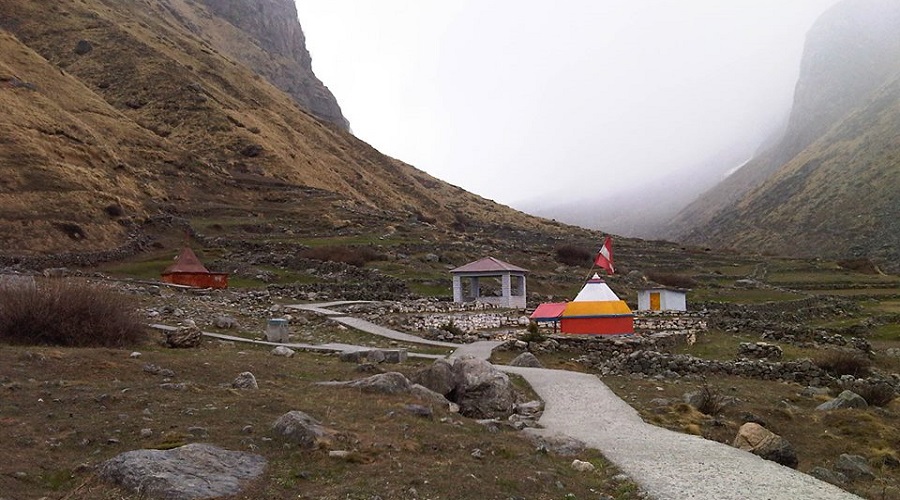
(187, 262)
(489, 265)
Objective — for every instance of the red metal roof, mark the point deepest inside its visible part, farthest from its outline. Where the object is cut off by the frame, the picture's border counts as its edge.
(186, 262)
(489, 265)
(549, 310)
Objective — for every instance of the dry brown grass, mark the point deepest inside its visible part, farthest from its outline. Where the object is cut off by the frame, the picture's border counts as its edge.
(838, 363)
(68, 407)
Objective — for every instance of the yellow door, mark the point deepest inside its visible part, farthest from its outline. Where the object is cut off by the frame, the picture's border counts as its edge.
(654, 301)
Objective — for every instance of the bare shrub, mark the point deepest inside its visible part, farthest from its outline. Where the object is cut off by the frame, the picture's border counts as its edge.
(710, 401)
(63, 313)
(571, 255)
(875, 393)
(666, 278)
(838, 363)
(355, 256)
(864, 266)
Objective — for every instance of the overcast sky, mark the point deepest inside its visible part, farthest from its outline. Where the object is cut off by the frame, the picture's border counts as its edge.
(516, 99)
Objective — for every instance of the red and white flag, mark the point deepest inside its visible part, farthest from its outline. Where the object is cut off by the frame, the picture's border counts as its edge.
(605, 256)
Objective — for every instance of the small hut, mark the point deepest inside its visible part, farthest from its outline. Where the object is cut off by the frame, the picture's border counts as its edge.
(662, 299)
(474, 274)
(188, 270)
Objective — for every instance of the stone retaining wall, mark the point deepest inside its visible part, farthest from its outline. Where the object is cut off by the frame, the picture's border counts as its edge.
(653, 363)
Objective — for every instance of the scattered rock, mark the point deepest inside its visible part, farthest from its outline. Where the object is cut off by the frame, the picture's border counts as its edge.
(169, 386)
(582, 466)
(225, 322)
(194, 471)
(556, 443)
(810, 391)
(828, 475)
(760, 441)
(526, 359)
(481, 391)
(846, 399)
(302, 429)
(383, 383)
(245, 380)
(158, 370)
(419, 411)
(283, 352)
(145, 433)
(184, 337)
(854, 467)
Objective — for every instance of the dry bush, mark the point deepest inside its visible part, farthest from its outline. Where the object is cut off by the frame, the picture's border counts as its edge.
(864, 266)
(667, 278)
(571, 255)
(355, 256)
(838, 363)
(710, 401)
(63, 313)
(875, 393)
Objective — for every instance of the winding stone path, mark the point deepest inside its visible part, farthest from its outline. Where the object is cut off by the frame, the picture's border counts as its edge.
(666, 464)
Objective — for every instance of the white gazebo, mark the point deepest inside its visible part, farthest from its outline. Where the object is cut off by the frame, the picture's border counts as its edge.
(480, 274)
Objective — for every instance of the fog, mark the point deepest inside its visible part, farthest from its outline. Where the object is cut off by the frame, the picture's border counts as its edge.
(534, 104)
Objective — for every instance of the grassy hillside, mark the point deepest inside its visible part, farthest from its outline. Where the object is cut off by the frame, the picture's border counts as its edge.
(185, 129)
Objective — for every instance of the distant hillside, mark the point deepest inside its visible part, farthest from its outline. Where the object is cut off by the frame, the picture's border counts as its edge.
(114, 111)
(831, 185)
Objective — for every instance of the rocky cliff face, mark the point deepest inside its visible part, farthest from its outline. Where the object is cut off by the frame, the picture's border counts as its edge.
(830, 186)
(273, 25)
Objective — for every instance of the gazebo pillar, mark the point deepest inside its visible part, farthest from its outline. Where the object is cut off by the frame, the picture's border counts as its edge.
(506, 281)
(457, 289)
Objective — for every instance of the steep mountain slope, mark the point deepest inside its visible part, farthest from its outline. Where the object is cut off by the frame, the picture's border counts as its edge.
(134, 103)
(283, 59)
(830, 186)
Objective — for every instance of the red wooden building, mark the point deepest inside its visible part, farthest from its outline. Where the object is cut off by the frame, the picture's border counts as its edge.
(188, 270)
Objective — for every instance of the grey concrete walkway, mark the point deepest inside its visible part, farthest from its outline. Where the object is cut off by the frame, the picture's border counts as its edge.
(666, 464)
(366, 326)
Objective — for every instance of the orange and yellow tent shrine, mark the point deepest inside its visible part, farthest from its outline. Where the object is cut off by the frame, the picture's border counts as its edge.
(596, 310)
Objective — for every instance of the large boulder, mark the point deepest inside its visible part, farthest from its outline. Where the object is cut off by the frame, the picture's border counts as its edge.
(193, 471)
(302, 429)
(527, 360)
(846, 399)
(480, 390)
(438, 377)
(760, 441)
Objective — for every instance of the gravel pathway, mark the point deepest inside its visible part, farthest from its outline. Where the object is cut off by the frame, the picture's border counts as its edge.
(666, 464)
